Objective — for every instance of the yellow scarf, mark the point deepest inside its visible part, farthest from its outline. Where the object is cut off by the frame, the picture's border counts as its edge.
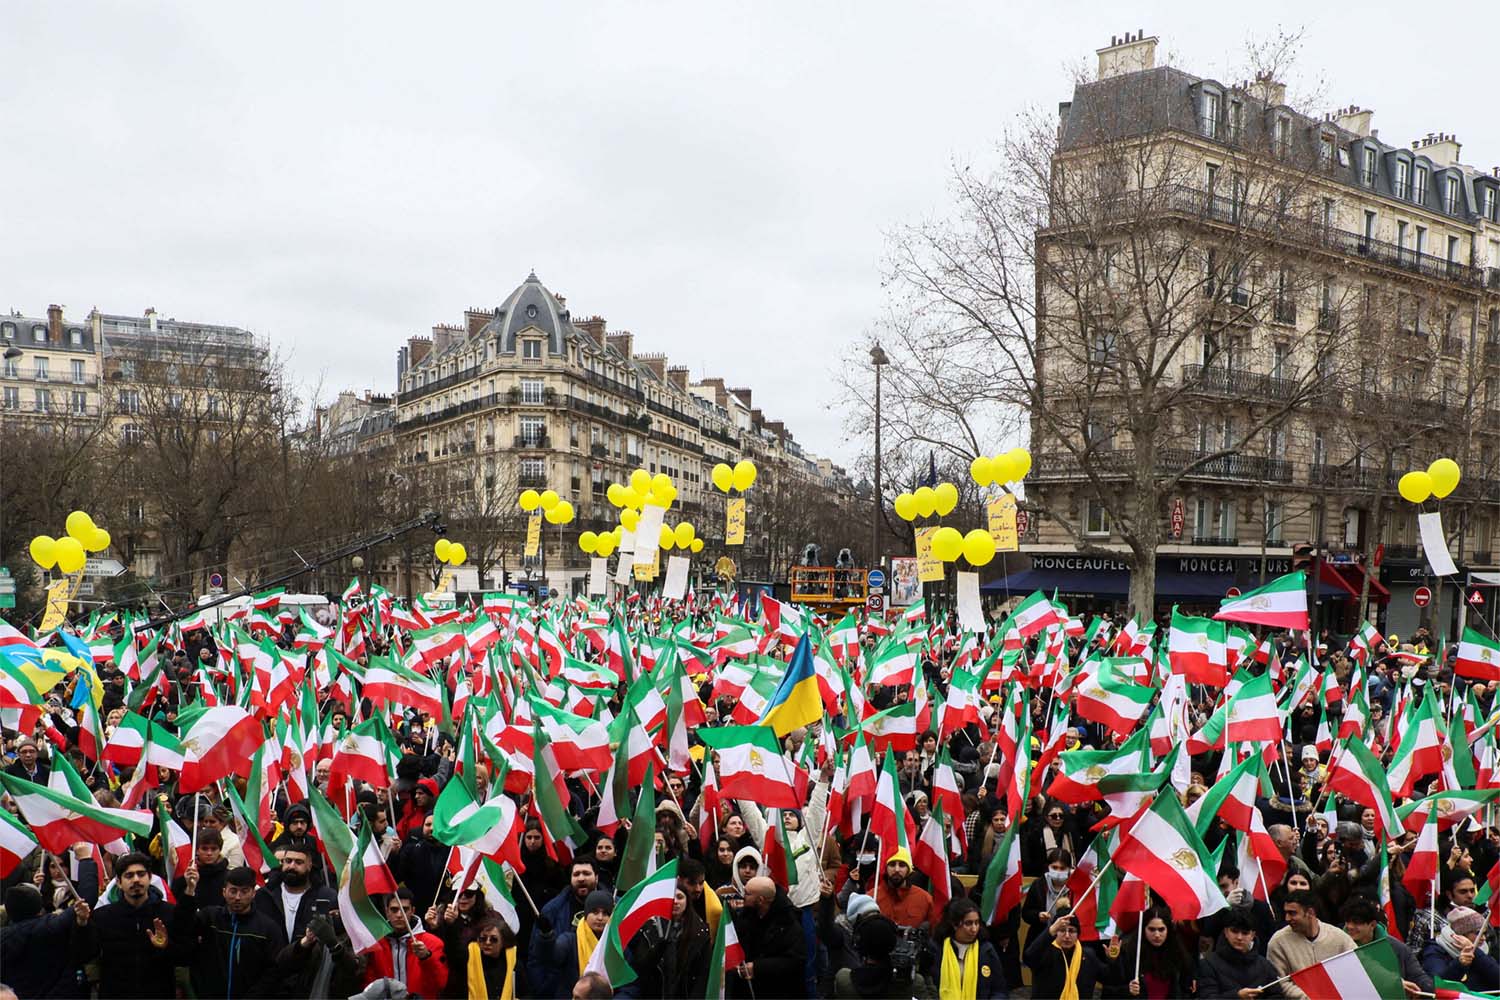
(587, 940)
(955, 983)
(712, 909)
(1070, 980)
(478, 988)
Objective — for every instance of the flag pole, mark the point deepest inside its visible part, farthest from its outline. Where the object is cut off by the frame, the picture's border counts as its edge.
(516, 880)
(1140, 934)
(446, 862)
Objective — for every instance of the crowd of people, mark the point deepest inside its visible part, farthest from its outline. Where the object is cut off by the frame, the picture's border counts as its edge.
(207, 901)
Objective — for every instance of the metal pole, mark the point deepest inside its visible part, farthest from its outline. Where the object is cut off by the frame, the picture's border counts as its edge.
(875, 521)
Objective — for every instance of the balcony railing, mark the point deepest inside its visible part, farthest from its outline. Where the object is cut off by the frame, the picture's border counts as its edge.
(529, 481)
(1237, 382)
(531, 441)
(1252, 468)
(599, 450)
(1214, 540)
(1453, 347)
(1182, 199)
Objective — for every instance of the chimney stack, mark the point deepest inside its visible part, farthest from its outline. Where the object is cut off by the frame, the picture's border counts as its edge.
(1442, 148)
(678, 375)
(1354, 119)
(55, 324)
(1128, 54)
(621, 342)
(594, 326)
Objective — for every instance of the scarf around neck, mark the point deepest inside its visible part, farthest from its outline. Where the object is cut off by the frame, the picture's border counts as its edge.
(957, 982)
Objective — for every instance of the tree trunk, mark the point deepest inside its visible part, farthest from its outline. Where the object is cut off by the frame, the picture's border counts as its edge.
(1145, 538)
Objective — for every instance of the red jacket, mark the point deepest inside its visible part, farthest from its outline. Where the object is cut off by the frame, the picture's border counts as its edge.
(425, 977)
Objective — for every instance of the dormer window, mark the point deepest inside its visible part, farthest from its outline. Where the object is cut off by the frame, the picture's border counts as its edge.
(1450, 195)
(1211, 113)
(531, 349)
(1367, 173)
(1419, 187)
(1403, 180)
(1491, 205)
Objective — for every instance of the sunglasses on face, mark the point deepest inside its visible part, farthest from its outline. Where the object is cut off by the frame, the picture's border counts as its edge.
(489, 940)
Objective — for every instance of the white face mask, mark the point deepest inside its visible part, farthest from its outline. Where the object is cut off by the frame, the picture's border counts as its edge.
(1057, 878)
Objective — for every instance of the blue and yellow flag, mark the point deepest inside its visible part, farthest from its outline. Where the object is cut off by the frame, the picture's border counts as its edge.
(795, 702)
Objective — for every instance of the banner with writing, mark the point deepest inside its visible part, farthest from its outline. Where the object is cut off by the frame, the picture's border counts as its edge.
(1002, 523)
(929, 566)
(734, 521)
(534, 535)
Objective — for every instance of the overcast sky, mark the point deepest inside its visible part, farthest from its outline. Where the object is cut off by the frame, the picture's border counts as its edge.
(715, 177)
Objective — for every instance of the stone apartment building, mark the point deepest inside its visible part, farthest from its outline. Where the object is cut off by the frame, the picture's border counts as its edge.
(1361, 340)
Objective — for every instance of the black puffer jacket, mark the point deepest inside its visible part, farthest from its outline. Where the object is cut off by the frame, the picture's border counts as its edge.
(774, 943)
(128, 964)
(231, 956)
(1225, 972)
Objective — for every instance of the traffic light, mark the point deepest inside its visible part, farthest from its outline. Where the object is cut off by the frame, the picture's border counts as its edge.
(1302, 556)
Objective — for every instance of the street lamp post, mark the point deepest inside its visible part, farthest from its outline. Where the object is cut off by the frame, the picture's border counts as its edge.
(878, 358)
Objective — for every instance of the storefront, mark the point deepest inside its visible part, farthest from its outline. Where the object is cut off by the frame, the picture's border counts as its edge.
(1194, 583)
(1406, 578)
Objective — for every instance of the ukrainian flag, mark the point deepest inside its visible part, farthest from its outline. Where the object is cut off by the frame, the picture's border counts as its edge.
(795, 702)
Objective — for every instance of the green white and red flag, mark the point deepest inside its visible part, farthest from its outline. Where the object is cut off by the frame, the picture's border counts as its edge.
(1002, 880)
(915, 612)
(1421, 876)
(962, 705)
(16, 843)
(751, 765)
(1282, 603)
(503, 605)
(561, 833)
(1388, 901)
(1253, 715)
(1365, 641)
(176, 845)
(1163, 850)
(727, 954)
(1371, 970)
(216, 742)
(1196, 650)
(1421, 746)
(894, 663)
(1447, 989)
(889, 820)
(1111, 699)
(1452, 807)
(1033, 614)
(1478, 657)
(59, 819)
(135, 737)
(367, 753)
(1081, 771)
(930, 856)
(1356, 774)
(439, 642)
(650, 899)
(362, 919)
(388, 681)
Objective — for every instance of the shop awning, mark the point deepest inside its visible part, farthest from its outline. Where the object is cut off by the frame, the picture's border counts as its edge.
(1349, 577)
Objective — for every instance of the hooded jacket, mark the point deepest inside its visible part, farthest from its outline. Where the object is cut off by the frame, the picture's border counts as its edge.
(230, 955)
(128, 965)
(1226, 971)
(803, 842)
(734, 868)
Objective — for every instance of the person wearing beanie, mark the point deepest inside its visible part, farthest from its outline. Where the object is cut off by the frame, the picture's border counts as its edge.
(902, 903)
(231, 945)
(35, 948)
(1459, 953)
(567, 951)
(423, 798)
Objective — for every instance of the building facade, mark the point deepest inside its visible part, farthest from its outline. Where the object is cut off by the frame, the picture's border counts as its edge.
(1337, 323)
(51, 369)
(527, 396)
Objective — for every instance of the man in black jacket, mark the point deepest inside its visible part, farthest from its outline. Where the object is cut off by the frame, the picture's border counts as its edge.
(1235, 965)
(290, 899)
(131, 937)
(231, 948)
(1362, 921)
(770, 931)
(39, 955)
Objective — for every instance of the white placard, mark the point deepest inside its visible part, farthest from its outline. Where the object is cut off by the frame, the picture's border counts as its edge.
(1435, 544)
(623, 572)
(627, 541)
(598, 576)
(970, 612)
(648, 530)
(677, 576)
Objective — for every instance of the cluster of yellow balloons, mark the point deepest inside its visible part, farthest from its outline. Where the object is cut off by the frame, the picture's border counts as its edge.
(70, 553)
(600, 543)
(1440, 479)
(926, 501)
(684, 536)
(1006, 467)
(452, 553)
(977, 547)
(642, 490)
(554, 509)
(741, 476)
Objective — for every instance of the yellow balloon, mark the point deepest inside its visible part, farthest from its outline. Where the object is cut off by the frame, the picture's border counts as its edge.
(44, 551)
(947, 543)
(616, 494)
(457, 554)
(441, 548)
(80, 526)
(982, 470)
(697, 545)
(629, 519)
(906, 506)
(1003, 466)
(665, 539)
(1415, 486)
(744, 474)
(564, 512)
(979, 547)
(70, 555)
(99, 542)
(723, 477)
(660, 482)
(947, 498)
(1020, 462)
(548, 499)
(588, 542)
(529, 500)
(926, 500)
(640, 481)
(684, 534)
(604, 546)
(1444, 474)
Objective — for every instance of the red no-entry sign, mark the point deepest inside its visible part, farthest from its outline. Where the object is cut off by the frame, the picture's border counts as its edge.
(1232, 592)
(1422, 596)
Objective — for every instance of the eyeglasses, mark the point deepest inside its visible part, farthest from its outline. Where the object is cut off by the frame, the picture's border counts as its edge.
(489, 940)
(1054, 815)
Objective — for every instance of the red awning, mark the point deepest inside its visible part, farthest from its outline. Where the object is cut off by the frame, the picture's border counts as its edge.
(1349, 577)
